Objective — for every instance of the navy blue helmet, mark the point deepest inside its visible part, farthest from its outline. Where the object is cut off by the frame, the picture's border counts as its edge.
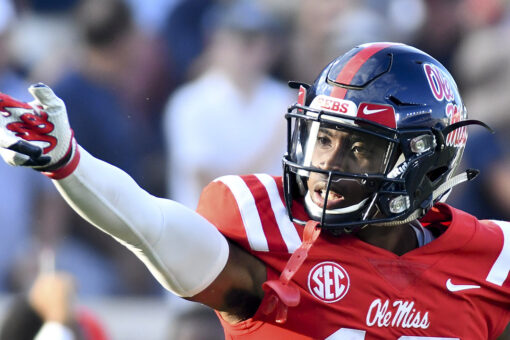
(375, 139)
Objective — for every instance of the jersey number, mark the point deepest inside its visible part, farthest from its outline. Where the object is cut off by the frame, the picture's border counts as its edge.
(356, 334)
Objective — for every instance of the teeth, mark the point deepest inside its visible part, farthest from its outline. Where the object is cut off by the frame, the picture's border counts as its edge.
(331, 195)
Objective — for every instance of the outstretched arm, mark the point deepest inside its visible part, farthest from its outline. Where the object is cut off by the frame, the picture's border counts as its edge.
(181, 249)
(185, 252)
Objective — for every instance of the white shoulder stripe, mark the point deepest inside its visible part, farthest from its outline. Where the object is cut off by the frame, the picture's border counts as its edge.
(500, 268)
(248, 210)
(287, 228)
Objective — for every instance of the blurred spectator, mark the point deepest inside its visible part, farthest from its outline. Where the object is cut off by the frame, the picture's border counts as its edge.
(229, 119)
(151, 15)
(97, 274)
(42, 42)
(324, 29)
(309, 40)
(185, 33)
(442, 30)
(16, 186)
(48, 312)
(113, 70)
(106, 65)
(23, 190)
(112, 127)
(51, 224)
(407, 17)
(449, 21)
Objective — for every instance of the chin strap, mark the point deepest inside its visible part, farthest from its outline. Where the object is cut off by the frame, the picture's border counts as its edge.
(467, 175)
(283, 292)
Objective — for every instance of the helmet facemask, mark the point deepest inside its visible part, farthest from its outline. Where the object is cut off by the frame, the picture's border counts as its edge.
(339, 164)
(351, 172)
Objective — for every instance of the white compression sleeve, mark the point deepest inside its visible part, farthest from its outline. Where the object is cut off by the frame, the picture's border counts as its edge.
(183, 251)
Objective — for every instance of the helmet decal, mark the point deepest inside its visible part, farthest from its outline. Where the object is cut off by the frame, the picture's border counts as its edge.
(342, 106)
(440, 84)
(457, 137)
(301, 95)
(382, 114)
(354, 64)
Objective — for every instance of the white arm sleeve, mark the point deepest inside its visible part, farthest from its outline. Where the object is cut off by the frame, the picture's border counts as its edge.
(183, 251)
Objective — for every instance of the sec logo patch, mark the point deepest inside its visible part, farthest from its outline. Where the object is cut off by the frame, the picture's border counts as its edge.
(328, 282)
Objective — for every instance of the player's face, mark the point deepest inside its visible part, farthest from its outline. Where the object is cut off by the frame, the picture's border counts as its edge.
(344, 151)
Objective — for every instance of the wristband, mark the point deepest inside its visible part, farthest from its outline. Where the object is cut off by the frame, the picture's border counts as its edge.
(69, 167)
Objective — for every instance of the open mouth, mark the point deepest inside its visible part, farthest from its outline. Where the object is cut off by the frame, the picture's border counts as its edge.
(333, 199)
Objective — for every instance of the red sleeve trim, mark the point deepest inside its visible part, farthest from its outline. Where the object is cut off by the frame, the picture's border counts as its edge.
(67, 169)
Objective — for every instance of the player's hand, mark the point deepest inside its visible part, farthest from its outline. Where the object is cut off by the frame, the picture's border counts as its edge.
(36, 134)
(52, 297)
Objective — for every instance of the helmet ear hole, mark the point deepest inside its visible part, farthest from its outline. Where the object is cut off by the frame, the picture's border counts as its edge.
(436, 173)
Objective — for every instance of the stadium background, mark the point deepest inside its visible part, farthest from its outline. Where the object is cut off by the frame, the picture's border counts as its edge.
(132, 72)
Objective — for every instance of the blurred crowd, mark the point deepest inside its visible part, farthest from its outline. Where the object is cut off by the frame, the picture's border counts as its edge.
(179, 92)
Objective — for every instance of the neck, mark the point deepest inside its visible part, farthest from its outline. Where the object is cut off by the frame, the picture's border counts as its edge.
(398, 239)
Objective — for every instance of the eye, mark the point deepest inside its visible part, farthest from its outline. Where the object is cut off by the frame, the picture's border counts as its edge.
(360, 150)
(323, 140)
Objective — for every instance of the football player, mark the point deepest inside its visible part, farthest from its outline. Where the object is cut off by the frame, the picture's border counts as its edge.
(353, 242)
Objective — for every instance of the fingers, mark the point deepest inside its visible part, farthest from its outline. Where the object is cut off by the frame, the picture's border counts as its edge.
(16, 151)
(45, 97)
(11, 142)
(13, 158)
(6, 138)
(52, 296)
(34, 154)
(26, 148)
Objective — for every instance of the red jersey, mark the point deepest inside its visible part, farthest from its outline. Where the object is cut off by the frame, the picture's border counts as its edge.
(454, 287)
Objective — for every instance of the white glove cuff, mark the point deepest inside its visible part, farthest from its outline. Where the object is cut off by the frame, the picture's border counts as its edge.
(70, 166)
